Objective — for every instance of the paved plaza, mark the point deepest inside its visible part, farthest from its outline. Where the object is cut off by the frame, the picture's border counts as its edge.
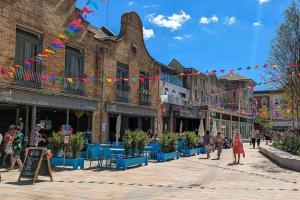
(186, 178)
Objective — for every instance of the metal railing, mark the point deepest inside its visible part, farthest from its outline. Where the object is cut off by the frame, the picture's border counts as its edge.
(176, 100)
(145, 99)
(122, 93)
(27, 77)
(76, 87)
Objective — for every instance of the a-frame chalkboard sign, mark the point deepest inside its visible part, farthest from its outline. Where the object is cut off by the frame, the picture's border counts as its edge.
(36, 163)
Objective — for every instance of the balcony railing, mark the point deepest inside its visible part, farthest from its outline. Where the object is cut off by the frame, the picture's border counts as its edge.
(171, 79)
(176, 100)
(27, 77)
(144, 99)
(122, 93)
(76, 87)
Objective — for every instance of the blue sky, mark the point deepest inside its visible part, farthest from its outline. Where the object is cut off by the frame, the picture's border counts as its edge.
(203, 34)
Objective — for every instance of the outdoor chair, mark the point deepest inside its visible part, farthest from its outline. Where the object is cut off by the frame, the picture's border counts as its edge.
(94, 154)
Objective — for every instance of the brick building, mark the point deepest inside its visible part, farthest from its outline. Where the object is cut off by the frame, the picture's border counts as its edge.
(27, 27)
(134, 96)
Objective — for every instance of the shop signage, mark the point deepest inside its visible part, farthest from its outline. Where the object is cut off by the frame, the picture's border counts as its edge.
(36, 163)
(213, 114)
(6, 95)
(66, 130)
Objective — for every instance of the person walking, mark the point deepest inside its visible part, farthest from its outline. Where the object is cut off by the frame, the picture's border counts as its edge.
(253, 137)
(8, 148)
(237, 145)
(258, 137)
(206, 142)
(35, 136)
(219, 144)
(17, 147)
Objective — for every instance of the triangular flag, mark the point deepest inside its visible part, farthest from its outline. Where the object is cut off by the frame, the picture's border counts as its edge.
(248, 68)
(239, 68)
(109, 80)
(52, 78)
(93, 3)
(134, 79)
(86, 10)
(63, 37)
(49, 51)
(142, 80)
(256, 67)
(44, 77)
(74, 29)
(27, 76)
(222, 70)
(68, 33)
(125, 79)
(85, 80)
(60, 79)
(232, 71)
(70, 80)
(265, 66)
(11, 74)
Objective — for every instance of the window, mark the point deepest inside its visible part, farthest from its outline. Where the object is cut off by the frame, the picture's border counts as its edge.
(183, 95)
(144, 85)
(196, 93)
(28, 45)
(166, 91)
(122, 73)
(122, 83)
(174, 93)
(74, 63)
(264, 103)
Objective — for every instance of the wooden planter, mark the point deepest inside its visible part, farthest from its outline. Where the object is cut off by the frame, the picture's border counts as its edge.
(190, 152)
(163, 157)
(75, 163)
(124, 163)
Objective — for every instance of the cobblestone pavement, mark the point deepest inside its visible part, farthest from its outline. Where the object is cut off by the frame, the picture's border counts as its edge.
(187, 178)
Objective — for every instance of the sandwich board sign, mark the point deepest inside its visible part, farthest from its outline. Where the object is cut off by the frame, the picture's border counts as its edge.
(36, 163)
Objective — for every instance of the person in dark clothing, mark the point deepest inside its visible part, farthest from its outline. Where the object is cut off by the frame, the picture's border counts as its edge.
(206, 142)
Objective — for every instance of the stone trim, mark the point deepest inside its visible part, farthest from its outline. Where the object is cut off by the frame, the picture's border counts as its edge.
(283, 159)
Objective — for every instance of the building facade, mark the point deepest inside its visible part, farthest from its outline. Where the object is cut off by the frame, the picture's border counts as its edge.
(27, 27)
(272, 101)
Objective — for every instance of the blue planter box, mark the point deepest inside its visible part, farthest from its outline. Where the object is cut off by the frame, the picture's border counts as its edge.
(163, 157)
(202, 150)
(124, 163)
(190, 152)
(75, 163)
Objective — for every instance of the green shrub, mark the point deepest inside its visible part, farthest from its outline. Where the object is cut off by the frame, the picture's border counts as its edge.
(168, 142)
(75, 145)
(190, 140)
(135, 142)
(289, 143)
(56, 142)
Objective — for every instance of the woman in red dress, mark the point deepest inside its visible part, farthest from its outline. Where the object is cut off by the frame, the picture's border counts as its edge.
(237, 145)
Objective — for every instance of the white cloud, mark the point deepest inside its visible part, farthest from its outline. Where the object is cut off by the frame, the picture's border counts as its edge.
(212, 19)
(151, 5)
(263, 1)
(183, 37)
(173, 22)
(258, 23)
(131, 3)
(230, 20)
(148, 33)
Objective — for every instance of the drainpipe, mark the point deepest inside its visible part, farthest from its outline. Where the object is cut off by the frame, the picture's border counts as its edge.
(102, 53)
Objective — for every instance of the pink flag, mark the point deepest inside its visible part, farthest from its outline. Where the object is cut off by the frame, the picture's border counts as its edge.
(86, 10)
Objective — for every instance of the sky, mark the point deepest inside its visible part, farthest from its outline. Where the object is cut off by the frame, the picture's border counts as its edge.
(202, 34)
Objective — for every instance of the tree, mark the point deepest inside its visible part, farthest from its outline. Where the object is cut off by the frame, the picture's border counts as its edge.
(285, 57)
(263, 120)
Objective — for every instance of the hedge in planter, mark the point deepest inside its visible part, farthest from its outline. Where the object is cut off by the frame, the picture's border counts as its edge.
(168, 143)
(191, 144)
(72, 153)
(134, 144)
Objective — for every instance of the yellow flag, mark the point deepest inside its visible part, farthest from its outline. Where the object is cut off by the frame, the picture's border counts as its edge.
(70, 80)
(109, 80)
(63, 37)
(11, 74)
(49, 51)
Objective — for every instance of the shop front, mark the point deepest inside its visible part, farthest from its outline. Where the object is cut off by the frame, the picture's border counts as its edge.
(26, 108)
(124, 117)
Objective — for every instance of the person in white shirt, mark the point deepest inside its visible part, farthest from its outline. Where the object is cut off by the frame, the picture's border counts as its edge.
(253, 137)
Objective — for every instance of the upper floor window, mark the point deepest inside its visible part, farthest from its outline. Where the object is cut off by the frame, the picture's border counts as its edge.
(183, 95)
(28, 45)
(174, 93)
(144, 84)
(166, 91)
(196, 93)
(122, 76)
(264, 103)
(74, 62)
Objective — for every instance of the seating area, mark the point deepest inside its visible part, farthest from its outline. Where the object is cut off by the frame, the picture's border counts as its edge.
(110, 155)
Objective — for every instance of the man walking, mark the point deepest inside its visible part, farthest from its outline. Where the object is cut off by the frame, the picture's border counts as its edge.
(253, 137)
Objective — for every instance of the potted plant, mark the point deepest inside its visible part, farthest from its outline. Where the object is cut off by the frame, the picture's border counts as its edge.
(72, 150)
(191, 144)
(168, 143)
(56, 143)
(134, 144)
